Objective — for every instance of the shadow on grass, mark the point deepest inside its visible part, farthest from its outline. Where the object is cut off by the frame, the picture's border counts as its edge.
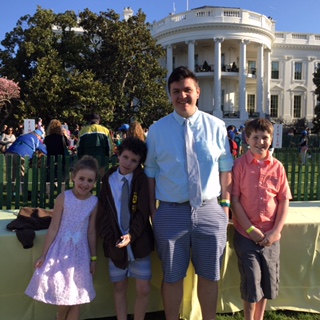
(149, 316)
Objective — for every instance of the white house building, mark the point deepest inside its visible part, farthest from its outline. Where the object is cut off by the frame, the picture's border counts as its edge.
(245, 67)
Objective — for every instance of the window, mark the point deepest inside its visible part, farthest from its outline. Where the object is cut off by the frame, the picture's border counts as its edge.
(274, 106)
(251, 67)
(251, 103)
(223, 66)
(223, 59)
(196, 60)
(298, 71)
(274, 70)
(222, 100)
(297, 107)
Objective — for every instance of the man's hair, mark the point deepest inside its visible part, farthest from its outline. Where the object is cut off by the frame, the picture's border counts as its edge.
(259, 125)
(94, 118)
(181, 73)
(134, 145)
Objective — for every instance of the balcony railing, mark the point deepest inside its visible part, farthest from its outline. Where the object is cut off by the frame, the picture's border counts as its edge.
(211, 14)
(253, 115)
(231, 114)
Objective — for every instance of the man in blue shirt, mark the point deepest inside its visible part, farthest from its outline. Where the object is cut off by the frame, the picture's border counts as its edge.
(25, 145)
(178, 225)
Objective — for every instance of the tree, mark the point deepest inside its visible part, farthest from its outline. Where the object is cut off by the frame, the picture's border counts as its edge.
(68, 65)
(126, 56)
(316, 119)
(9, 91)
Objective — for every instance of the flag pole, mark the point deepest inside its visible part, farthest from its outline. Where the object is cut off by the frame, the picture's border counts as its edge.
(187, 5)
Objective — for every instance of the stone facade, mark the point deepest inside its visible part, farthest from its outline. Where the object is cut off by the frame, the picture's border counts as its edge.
(245, 67)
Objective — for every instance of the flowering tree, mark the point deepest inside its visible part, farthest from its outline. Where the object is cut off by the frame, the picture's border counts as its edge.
(9, 90)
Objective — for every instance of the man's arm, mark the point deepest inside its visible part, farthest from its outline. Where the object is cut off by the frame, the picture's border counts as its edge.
(226, 187)
(152, 196)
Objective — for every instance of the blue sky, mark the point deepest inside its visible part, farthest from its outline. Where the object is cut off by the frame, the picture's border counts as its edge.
(290, 16)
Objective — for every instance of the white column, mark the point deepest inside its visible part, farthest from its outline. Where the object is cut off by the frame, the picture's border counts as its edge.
(287, 94)
(260, 75)
(242, 79)
(310, 105)
(169, 59)
(190, 44)
(217, 78)
(267, 76)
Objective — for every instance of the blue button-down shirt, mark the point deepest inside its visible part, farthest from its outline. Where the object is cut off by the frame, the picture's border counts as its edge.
(166, 159)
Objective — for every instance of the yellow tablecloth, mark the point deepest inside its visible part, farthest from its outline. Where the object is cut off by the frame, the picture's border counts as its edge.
(299, 274)
(16, 269)
(299, 268)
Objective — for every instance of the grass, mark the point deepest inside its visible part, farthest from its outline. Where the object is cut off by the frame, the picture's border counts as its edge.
(269, 315)
(274, 315)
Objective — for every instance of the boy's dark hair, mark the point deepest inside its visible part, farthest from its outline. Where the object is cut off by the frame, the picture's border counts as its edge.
(134, 145)
(86, 162)
(259, 125)
(181, 73)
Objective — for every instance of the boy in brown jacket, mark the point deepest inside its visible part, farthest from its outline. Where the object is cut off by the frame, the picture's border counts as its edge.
(124, 225)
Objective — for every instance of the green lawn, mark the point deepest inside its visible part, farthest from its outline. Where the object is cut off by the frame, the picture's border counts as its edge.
(269, 315)
(275, 315)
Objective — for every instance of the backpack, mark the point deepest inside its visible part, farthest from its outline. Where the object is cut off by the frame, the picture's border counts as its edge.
(233, 148)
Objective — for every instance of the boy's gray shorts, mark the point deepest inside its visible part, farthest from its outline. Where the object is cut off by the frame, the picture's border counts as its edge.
(259, 269)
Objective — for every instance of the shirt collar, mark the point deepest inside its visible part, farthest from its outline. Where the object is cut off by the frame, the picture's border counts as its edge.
(181, 120)
(120, 176)
(250, 158)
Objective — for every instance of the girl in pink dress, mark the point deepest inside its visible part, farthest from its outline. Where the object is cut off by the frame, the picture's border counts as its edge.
(64, 271)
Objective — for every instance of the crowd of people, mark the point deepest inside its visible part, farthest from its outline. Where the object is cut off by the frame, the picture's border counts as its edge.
(239, 146)
(58, 140)
(172, 194)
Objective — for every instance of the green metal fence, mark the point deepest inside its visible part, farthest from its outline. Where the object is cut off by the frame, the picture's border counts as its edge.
(304, 180)
(40, 184)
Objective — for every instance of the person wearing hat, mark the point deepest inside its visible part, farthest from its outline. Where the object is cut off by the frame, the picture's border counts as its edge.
(303, 147)
(95, 140)
(233, 145)
(244, 144)
(124, 129)
(25, 145)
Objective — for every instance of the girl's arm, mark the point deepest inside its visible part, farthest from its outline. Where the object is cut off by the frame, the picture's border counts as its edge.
(53, 228)
(92, 239)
